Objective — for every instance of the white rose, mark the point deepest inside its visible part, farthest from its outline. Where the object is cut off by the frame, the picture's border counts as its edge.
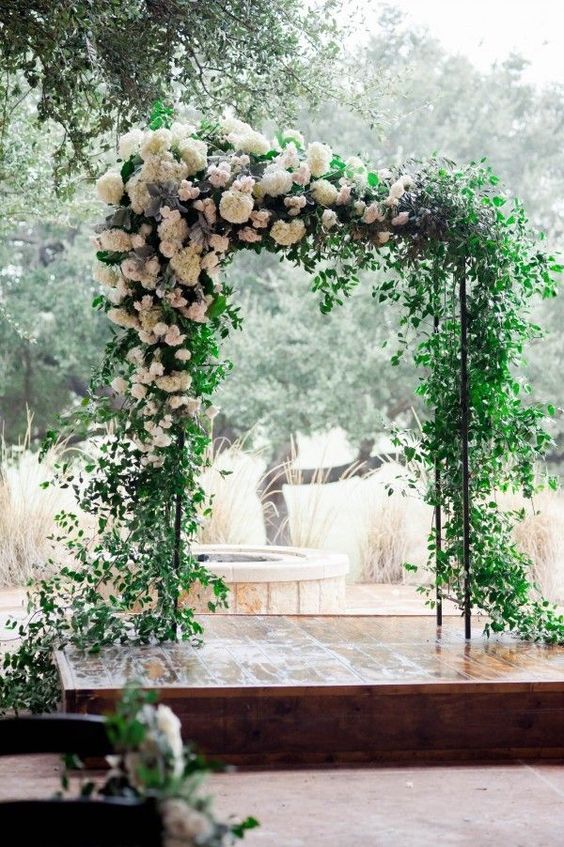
(236, 206)
(329, 219)
(130, 143)
(276, 182)
(195, 154)
(319, 158)
(288, 232)
(155, 143)
(324, 192)
(110, 188)
(119, 385)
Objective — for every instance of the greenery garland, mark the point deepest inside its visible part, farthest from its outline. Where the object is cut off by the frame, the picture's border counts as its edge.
(186, 199)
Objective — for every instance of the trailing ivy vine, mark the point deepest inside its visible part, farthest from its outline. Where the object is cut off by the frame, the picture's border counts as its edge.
(185, 200)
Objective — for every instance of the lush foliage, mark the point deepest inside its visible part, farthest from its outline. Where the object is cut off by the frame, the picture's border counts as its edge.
(152, 763)
(185, 199)
(96, 65)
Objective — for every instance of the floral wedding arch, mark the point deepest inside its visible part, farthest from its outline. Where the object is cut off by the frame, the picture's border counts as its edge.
(184, 199)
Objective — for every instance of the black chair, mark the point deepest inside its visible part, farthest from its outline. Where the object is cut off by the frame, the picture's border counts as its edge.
(98, 822)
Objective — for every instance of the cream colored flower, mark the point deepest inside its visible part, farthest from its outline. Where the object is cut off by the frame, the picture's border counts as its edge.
(115, 241)
(106, 274)
(236, 206)
(123, 318)
(186, 264)
(155, 143)
(302, 175)
(195, 154)
(245, 139)
(150, 318)
(174, 382)
(295, 204)
(249, 235)
(276, 181)
(219, 243)
(373, 213)
(110, 188)
(329, 219)
(119, 384)
(138, 391)
(288, 232)
(130, 143)
(401, 219)
(324, 192)
(260, 218)
(319, 158)
(183, 355)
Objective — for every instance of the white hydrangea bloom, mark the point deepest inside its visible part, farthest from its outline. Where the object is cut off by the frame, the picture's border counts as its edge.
(324, 192)
(236, 206)
(130, 143)
(110, 188)
(155, 143)
(319, 158)
(195, 155)
(288, 232)
(276, 181)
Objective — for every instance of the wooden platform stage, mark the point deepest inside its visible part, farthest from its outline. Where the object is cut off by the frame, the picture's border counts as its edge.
(265, 690)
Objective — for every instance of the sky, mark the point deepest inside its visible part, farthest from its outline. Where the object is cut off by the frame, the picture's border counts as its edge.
(489, 30)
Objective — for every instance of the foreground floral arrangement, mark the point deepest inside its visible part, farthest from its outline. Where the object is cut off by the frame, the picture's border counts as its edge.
(152, 763)
(184, 200)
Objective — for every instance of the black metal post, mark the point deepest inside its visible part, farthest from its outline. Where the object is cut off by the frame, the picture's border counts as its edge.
(438, 524)
(176, 557)
(464, 439)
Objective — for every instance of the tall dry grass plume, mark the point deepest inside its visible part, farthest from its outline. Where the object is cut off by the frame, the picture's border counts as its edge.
(27, 511)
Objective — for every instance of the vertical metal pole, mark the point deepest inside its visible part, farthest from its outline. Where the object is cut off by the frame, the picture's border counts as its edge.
(176, 557)
(438, 523)
(464, 438)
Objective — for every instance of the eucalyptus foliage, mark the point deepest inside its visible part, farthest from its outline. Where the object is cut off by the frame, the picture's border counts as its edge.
(426, 225)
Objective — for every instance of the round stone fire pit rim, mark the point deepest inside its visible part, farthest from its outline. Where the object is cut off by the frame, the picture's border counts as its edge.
(284, 564)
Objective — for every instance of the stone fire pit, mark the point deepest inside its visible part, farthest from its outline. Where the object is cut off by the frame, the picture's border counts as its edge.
(275, 580)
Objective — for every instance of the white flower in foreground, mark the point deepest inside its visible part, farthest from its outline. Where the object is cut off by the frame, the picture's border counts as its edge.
(130, 143)
(236, 206)
(212, 412)
(324, 192)
(288, 232)
(110, 188)
(329, 219)
(155, 142)
(193, 405)
(384, 237)
(183, 824)
(169, 724)
(119, 385)
(195, 155)
(276, 181)
(319, 158)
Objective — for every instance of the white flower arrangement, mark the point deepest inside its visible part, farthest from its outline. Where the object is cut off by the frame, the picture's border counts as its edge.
(185, 199)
